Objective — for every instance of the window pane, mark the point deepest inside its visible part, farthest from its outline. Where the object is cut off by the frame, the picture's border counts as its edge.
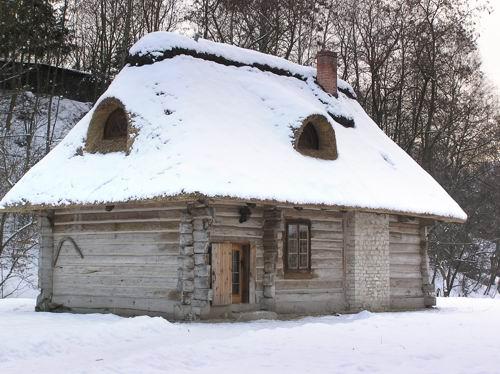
(292, 261)
(236, 272)
(304, 231)
(292, 231)
(292, 246)
(303, 261)
(236, 288)
(304, 244)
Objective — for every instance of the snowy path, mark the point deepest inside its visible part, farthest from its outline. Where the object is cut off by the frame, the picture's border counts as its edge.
(462, 336)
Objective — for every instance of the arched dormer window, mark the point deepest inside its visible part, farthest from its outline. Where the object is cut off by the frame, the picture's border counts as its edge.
(109, 128)
(116, 125)
(316, 138)
(309, 138)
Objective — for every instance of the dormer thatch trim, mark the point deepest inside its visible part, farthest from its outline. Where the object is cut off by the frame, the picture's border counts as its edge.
(96, 141)
(326, 147)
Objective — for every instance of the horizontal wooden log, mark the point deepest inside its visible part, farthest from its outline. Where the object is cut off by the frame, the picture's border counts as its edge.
(167, 270)
(326, 235)
(407, 292)
(309, 297)
(404, 268)
(411, 224)
(398, 238)
(124, 207)
(410, 229)
(114, 291)
(333, 264)
(123, 280)
(236, 231)
(309, 284)
(121, 237)
(121, 249)
(332, 305)
(311, 214)
(330, 226)
(406, 283)
(404, 248)
(233, 210)
(119, 227)
(110, 302)
(407, 303)
(393, 218)
(71, 257)
(135, 215)
(327, 254)
(334, 245)
(405, 259)
(233, 222)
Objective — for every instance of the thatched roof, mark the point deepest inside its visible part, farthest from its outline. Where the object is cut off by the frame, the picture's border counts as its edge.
(216, 120)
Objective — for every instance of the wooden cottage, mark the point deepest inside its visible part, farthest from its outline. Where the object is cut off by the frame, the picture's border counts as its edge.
(210, 180)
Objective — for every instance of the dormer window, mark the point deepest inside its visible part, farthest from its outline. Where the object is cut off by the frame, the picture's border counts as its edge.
(109, 128)
(316, 138)
(309, 138)
(116, 125)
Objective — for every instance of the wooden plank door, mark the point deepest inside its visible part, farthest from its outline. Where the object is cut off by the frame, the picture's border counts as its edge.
(221, 273)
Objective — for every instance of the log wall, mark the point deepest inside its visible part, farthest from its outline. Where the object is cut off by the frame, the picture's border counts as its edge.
(324, 290)
(152, 259)
(405, 263)
(130, 259)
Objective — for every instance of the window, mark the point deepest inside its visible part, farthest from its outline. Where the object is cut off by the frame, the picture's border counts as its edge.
(236, 272)
(316, 138)
(109, 128)
(309, 138)
(116, 125)
(298, 246)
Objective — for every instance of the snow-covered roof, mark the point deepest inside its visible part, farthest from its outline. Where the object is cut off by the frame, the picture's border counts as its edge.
(225, 129)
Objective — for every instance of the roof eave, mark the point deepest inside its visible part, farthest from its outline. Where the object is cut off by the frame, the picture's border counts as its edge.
(198, 197)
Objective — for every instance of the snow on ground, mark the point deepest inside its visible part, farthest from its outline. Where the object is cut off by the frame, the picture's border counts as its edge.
(460, 336)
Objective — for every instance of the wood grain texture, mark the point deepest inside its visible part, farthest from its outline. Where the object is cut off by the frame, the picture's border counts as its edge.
(45, 260)
(221, 273)
(405, 264)
(130, 258)
(325, 286)
(227, 228)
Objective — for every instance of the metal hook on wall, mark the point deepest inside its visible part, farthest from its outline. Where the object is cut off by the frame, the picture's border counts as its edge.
(59, 246)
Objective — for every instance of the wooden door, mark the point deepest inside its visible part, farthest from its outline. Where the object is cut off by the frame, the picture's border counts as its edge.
(221, 273)
(230, 273)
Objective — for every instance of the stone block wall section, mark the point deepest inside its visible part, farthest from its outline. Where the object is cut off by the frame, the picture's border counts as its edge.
(367, 261)
(194, 263)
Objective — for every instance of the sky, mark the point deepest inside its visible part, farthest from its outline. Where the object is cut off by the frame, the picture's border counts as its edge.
(489, 43)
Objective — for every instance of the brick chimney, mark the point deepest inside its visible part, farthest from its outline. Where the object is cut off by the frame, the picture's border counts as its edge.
(326, 62)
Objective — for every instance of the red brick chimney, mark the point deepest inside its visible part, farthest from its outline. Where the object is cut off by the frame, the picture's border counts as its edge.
(326, 62)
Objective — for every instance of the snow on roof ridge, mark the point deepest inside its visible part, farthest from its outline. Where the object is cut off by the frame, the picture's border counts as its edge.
(159, 45)
(155, 43)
